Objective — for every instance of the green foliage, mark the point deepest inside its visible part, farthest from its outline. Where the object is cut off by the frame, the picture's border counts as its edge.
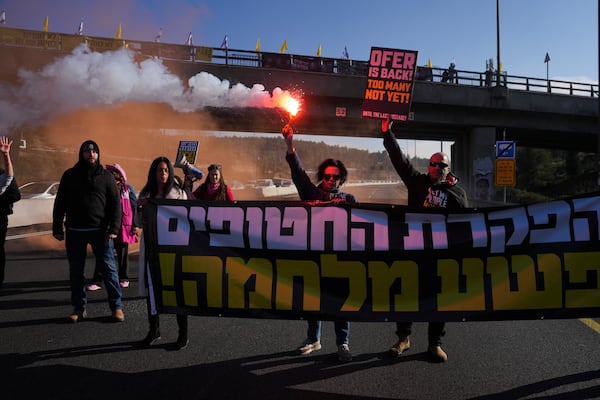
(545, 174)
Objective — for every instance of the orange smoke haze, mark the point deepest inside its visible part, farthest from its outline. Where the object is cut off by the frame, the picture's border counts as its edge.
(131, 135)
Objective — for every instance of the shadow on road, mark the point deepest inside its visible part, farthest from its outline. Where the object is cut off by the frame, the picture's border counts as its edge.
(270, 376)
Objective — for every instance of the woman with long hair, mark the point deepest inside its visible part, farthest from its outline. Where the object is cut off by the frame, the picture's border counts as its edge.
(214, 186)
(160, 185)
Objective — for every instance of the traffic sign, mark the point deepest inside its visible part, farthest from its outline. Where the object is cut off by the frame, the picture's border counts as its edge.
(506, 172)
(506, 149)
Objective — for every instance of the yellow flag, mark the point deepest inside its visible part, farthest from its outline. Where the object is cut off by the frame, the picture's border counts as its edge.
(119, 32)
(46, 24)
(258, 45)
(500, 68)
(429, 65)
(319, 51)
(283, 47)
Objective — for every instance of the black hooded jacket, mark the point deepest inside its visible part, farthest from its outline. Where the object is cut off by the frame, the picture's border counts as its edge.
(421, 193)
(88, 196)
(306, 189)
(11, 195)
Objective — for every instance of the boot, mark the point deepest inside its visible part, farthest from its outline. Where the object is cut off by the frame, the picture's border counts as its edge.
(153, 335)
(402, 345)
(438, 354)
(182, 338)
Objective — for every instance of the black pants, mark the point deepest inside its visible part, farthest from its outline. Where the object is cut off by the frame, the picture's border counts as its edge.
(154, 321)
(122, 250)
(435, 331)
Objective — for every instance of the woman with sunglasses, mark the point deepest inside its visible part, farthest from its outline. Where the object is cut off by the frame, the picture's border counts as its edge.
(331, 175)
(437, 188)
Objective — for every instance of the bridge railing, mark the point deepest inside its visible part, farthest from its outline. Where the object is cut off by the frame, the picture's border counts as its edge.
(52, 41)
(245, 58)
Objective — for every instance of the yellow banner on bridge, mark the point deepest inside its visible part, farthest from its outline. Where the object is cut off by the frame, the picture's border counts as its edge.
(29, 38)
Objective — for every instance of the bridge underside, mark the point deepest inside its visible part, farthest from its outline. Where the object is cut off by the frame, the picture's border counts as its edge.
(441, 111)
(472, 116)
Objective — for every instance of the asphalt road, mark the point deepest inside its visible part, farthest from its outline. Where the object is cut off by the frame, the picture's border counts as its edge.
(42, 357)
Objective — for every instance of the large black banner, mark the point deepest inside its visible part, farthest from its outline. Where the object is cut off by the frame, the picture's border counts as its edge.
(374, 262)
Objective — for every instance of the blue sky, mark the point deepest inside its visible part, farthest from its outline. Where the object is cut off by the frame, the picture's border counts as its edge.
(441, 31)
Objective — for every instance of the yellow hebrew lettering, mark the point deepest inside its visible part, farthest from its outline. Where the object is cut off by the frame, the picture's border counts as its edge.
(578, 265)
(167, 277)
(212, 266)
(239, 273)
(286, 271)
(473, 299)
(357, 279)
(527, 296)
(384, 276)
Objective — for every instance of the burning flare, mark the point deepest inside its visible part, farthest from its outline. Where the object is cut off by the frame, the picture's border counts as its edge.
(291, 105)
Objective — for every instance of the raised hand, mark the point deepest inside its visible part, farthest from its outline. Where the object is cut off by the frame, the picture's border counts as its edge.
(5, 144)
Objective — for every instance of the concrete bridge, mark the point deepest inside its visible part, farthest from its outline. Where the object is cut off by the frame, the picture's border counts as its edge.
(474, 111)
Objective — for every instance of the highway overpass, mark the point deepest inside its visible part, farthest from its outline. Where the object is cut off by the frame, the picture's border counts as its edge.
(474, 112)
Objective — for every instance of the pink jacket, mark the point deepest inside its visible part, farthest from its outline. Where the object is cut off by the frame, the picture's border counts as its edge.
(128, 205)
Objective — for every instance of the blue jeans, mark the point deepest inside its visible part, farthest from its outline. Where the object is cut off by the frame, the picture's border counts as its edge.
(342, 330)
(76, 245)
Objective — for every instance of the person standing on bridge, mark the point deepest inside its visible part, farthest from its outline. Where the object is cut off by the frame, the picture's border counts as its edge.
(331, 175)
(89, 199)
(437, 188)
(9, 194)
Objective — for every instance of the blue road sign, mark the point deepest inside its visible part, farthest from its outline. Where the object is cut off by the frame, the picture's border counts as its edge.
(506, 149)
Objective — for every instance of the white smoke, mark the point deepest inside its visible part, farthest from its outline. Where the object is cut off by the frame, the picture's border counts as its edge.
(91, 79)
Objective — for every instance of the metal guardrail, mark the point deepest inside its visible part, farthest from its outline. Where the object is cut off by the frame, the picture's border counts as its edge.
(244, 58)
(52, 41)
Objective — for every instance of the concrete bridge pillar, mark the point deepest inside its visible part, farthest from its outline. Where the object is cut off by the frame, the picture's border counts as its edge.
(473, 161)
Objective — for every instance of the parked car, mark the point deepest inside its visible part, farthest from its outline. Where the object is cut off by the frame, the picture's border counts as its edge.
(39, 190)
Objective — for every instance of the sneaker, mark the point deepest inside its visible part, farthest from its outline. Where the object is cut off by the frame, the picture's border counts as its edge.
(438, 354)
(93, 287)
(402, 345)
(308, 347)
(343, 353)
(118, 315)
(182, 342)
(124, 283)
(78, 315)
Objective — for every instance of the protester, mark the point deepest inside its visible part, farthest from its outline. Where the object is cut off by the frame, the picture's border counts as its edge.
(437, 188)
(128, 232)
(160, 185)
(331, 175)
(214, 186)
(88, 198)
(9, 194)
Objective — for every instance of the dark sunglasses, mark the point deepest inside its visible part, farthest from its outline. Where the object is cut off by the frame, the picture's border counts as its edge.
(327, 177)
(438, 164)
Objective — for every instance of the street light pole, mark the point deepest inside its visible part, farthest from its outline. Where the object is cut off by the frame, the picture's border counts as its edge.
(498, 42)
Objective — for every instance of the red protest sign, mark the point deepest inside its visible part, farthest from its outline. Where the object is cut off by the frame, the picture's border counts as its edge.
(390, 79)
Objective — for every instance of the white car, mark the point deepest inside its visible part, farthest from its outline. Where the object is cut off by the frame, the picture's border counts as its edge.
(39, 190)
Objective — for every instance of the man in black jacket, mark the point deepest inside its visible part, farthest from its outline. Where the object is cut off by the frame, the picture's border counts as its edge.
(437, 188)
(88, 197)
(9, 194)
